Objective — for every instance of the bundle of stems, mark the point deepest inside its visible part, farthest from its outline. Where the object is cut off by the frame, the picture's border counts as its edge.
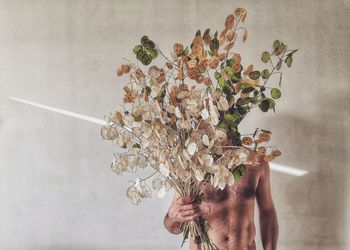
(198, 228)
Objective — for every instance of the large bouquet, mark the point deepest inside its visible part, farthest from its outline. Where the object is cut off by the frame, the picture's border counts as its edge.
(181, 119)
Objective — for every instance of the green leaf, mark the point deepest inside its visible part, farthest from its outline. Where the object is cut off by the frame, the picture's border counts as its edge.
(265, 57)
(186, 51)
(144, 40)
(221, 82)
(226, 89)
(239, 171)
(229, 71)
(265, 74)
(275, 93)
(136, 145)
(279, 65)
(291, 53)
(210, 53)
(234, 77)
(222, 125)
(254, 75)
(137, 49)
(233, 128)
(247, 90)
(264, 105)
(217, 75)
(161, 94)
(289, 61)
(272, 104)
(280, 49)
(137, 118)
(230, 62)
(245, 85)
(153, 53)
(276, 44)
(231, 117)
(148, 90)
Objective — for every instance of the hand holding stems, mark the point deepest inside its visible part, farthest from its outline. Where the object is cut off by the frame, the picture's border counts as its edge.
(184, 209)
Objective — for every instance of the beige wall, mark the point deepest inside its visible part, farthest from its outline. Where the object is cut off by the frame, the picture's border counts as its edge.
(56, 188)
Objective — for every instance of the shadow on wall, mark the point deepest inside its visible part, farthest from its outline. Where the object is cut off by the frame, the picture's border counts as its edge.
(314, 205)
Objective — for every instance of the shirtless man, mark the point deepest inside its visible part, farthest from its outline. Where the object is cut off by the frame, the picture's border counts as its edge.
(230, 212)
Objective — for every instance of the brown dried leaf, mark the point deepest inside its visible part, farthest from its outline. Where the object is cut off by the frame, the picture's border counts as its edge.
(230, 22)
(248, 70)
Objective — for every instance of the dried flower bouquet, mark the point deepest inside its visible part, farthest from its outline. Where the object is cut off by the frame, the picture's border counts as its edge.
(182, 119)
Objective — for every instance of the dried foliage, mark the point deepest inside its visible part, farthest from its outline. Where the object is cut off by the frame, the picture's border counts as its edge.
(182, 119)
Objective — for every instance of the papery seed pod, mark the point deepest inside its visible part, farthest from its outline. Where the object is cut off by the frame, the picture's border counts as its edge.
(109, 133)
(205, 140)
(254, 75)
(247, 141)
(200, 78)
(207, 37)
(229, 46)
(221, 57)
(236, 67)
(213, 63)
(126, 68)
(256, 161)
(223, 104)
(264, 137)
(261, 150)
(169, 65)
(139, 74)
(131, 192)
(119, 117)
(276, 153)
(192, 63)
(146, 192)
(178, 49)
(268, 157)
(230, 35)
(183, 94)
(241, 14)
(154, 71)
(214, 44)
(248, 70)
(207, 81)
(237, 58)
(229, 22)
(119, 71)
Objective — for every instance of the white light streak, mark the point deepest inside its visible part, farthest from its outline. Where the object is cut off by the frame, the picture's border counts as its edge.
(61, 111)
(287, 170)
(273, 166)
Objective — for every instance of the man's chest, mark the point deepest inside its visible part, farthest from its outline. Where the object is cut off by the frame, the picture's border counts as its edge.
(241, 191)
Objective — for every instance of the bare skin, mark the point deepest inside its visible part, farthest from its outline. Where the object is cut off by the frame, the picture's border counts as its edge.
(230, 212)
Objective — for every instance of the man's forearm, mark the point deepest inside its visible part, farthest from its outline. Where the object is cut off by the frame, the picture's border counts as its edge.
(171, 225)
(269, 229)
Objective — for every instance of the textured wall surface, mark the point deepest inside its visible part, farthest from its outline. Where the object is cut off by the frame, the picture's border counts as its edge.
(56, 188)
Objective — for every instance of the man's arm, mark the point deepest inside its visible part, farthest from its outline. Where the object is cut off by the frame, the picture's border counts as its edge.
(267, 212)
(182, 209)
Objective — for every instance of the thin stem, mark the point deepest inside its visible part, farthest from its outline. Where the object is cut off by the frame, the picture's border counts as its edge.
(166, 57)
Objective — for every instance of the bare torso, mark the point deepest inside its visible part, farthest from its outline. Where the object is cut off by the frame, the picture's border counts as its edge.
(230, 212)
